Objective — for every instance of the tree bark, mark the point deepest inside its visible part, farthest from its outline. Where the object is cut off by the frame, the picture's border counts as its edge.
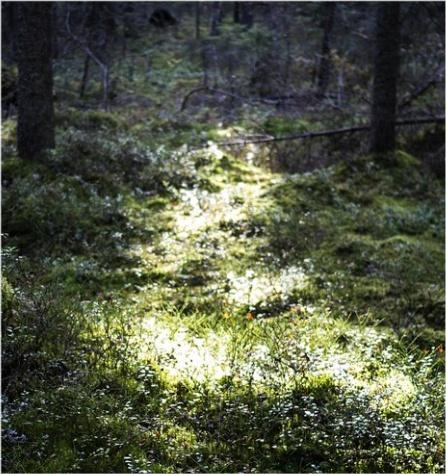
(197, 20)
(216, 19)
(243, 12)
(84, 80)
(325, 64)
(9, 30)
(236, 12)
(387, 40)
(35, 124)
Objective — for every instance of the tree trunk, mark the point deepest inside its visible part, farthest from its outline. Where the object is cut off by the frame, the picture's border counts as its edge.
(325, 64)
(247, 14)
(216, 19)
(5, 36)
(35, 124)
(84, 76)
(236, 12)
(197, 20)
(243, 12)
(382, 136)
(9, 29)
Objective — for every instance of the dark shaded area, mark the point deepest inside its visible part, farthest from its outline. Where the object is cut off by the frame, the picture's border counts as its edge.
(162, 18)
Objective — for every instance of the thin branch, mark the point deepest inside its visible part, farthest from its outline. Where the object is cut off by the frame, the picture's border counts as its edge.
(324, 133)
(84, 46)
(189, 94)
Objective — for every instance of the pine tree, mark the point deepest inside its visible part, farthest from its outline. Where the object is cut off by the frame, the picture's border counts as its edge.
(382, 137)
(35, 124)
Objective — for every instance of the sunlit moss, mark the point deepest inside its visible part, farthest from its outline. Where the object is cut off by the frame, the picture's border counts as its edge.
(9, 131)
(233, 317)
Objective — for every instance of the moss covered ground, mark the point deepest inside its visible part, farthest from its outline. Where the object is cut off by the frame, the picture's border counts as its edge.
(191, 311)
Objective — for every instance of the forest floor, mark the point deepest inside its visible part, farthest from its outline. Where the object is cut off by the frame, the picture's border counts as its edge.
(201, 313)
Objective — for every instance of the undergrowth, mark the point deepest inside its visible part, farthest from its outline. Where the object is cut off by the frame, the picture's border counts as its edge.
(167, 310)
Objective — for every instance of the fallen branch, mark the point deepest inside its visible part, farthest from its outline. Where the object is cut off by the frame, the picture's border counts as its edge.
(189, 94)
(323, 133)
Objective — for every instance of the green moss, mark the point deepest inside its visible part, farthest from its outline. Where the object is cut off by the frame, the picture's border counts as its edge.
(90, 120)
(212, 315)
(405, 160)
(427, 140)
(286, 126)
(359, 248)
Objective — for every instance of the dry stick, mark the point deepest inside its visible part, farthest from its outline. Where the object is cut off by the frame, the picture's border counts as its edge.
(324, 133)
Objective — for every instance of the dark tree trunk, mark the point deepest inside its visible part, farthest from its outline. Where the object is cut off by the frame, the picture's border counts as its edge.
(325, 64)
(35, 124)
(236, 13)
(247, 13)
(9, 31)
(243, 12)
(382, 136)
(54, 23)
(5, 37)
(216, 18)
(197, 20)
(84, 80)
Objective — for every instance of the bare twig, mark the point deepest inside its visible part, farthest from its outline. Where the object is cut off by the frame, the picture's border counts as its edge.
(105, 71)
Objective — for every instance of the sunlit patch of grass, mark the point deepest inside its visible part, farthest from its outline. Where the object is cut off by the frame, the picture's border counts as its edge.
(182, 354)
(251, 289)
(277, 352)
(302, 340)
(9, 127)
